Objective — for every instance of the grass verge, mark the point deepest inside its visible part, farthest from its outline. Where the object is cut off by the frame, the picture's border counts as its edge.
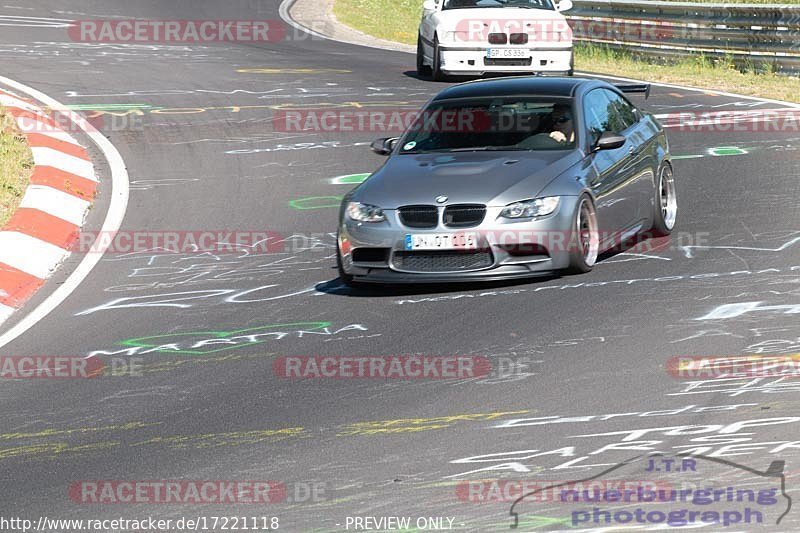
(398, 20)
(393, 20)
(16, 165)
(696, 71)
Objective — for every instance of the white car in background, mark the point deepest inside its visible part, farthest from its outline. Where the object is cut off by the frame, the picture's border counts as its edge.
(475, 37)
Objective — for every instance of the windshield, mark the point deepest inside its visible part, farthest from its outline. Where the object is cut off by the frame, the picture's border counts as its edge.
(524, 4)
(492, 124)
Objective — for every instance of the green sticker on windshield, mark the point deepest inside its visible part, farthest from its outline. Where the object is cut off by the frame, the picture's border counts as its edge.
(410, 146)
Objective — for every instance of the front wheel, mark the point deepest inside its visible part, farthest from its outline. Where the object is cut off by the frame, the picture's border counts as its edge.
(344, 277)
(437, 73)
(422, 68)
(666, 202)
(585, 239)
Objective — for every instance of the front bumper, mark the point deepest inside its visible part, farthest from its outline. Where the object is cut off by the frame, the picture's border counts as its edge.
(514, 249)
(466, 61)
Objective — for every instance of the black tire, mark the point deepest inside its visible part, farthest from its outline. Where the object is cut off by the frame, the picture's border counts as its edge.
(665, 207)
(422, 68)
(584, 237)
(436, 70)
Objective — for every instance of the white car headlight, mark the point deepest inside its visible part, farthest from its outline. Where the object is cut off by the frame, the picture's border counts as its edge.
(455, 36)
(538, 207)
(365, 212)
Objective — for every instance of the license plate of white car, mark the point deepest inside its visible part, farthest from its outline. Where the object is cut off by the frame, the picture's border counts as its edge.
(494, 53)
(442, 241)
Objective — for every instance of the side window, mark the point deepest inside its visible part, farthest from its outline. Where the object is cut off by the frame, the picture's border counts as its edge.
(595, 111)
(621, 114)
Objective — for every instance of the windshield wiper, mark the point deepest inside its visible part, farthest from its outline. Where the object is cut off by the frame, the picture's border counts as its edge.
(488, 149)
(468, 149)
(471, 149)
(521, 6)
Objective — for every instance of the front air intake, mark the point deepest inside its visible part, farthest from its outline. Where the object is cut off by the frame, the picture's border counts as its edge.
(419, 216)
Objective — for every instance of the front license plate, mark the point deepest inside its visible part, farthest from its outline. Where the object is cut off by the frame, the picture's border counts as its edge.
(494, 53)
(442, 241)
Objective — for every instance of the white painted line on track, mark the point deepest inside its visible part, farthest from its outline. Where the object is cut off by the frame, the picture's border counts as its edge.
(33, 22)
(57, 203)
(113, 220)
(41, 259)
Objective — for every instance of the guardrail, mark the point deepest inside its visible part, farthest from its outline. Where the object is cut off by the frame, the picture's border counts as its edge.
(766, 36)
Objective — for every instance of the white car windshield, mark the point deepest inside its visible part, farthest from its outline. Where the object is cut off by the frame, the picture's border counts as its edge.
(524, 4)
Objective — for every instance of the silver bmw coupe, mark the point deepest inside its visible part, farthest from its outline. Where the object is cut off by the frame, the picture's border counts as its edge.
(509, 178)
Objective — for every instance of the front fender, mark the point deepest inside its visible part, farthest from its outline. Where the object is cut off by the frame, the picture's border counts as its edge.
(572, 182)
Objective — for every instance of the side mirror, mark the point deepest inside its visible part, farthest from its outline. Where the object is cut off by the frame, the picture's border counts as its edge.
(564, 5)
(609, 141)
(383, 146)
(428, 6)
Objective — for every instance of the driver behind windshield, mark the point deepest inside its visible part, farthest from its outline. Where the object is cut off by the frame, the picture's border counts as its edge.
(561, 134)
(563, 128)
(496, 125)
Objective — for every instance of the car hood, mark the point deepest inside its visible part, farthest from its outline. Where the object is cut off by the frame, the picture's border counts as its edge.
(491, 178)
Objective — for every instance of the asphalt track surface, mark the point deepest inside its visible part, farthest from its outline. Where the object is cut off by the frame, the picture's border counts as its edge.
(595, 344)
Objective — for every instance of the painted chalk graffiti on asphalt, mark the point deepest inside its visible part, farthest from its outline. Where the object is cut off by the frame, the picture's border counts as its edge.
(734, 387)
(714, 440)
(208, 342)
(704, 277)
(206, 278)
(157, 269)
(189, 299)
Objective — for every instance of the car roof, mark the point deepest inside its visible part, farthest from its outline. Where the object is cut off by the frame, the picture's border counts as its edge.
(516, 86)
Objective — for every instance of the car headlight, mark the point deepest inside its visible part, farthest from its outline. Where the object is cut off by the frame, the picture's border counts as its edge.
(455, 36)
(365, 212)
(538, 207)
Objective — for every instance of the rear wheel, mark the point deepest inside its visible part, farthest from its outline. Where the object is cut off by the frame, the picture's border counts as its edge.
(666, 202)
(585, 238)
(422, 68)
